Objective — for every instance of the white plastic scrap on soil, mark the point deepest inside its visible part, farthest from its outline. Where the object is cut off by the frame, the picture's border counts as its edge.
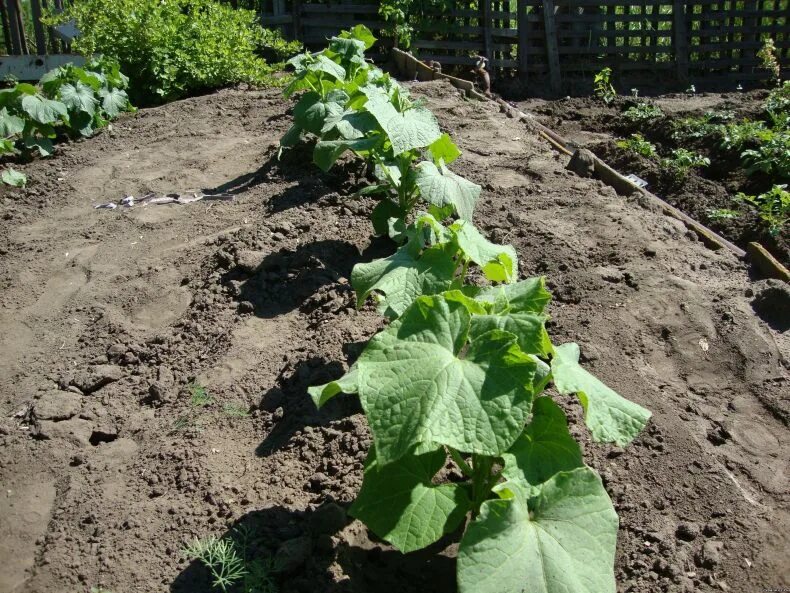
(171, 198)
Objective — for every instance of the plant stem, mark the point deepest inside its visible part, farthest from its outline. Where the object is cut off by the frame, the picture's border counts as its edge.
(461, 462)
(480, 479)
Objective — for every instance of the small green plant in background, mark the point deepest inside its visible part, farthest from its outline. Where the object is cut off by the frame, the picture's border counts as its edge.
(221, 557)
(769, 60)
(736, 136)
(773, 207)
(199, 396)
(771, 157)
(681, 162)
(231, 564)
(235, 411)
(723, 214)
(638, 145)
(14, 178)
(68, 101)
(643, 112)
(602, 85)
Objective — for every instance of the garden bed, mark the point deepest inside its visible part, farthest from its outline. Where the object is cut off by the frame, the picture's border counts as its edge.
(108, 316)
(706, 193)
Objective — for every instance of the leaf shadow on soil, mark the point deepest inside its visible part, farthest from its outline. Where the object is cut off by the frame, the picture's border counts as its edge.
(297, 410)
(290, 167)
(286, 279)
(323, 551)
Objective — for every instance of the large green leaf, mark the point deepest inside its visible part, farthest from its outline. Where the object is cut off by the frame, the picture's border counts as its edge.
(403, 276)
(10, 124)
(114, 102)
(498, 262)
(360, 32)
(414, 128)
(545, 448)
(400, 504)
(529, 328)
(440, 186)
(560, 541)
(43, 110)
(324, 65)
(326, 152)
(610, 417)
(444, 150)
(417, 387)
(345, 384)
(349, 124)
(78, 97)
(527, 296)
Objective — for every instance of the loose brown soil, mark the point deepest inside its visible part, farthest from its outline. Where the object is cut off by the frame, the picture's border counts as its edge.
(592, 124)
(107, 317)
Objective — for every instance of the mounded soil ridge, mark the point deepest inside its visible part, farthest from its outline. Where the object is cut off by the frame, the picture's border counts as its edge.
(109, 465)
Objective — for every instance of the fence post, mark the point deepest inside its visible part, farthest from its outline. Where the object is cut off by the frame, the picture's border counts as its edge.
(552, 48)
(523, 40)
(6, 29)
(38, 28)
(297, 19)
(681, 41)
(485, 7)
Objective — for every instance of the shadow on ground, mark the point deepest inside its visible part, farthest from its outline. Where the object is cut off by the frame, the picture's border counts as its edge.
(321, 551)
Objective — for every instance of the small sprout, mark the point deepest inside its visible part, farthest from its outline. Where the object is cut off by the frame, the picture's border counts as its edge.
(691, 90)
(635, 93)
(722, 214)
(235, 411)
(739, 87)
(199, 396)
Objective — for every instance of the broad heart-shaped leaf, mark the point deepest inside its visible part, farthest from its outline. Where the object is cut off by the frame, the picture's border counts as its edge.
(44, 145)
(529, 295)
(403, 276)
(610, 417)
(529, 328)
(414, 128)
(43, 110)
(345, 384)
(360, 32)
(114, 101)
(545, 448)
(399, 503)
(291, 137)
(349, 124)
(326, 153)
(311, 111)
(440, 187)
(560, 541)
(324, 65)
(10, 124)
(417, 388)
(444, 150)
(78, 97)
(499, 262)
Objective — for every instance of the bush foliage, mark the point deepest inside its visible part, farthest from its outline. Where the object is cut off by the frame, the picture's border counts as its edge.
(172, 48)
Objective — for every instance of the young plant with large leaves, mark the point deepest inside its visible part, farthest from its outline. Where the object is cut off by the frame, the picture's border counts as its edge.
(454, 389)
(461, 378)
(69, 100)
(349, 105)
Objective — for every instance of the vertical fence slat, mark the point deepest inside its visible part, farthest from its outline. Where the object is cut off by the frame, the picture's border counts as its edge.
(523, 40)
(680, 35)
(38, 27)
(485, 22)
(552, 48)
(6, 30)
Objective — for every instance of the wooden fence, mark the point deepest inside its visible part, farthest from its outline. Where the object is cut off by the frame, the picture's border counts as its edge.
(563, 42)
(31, 47)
